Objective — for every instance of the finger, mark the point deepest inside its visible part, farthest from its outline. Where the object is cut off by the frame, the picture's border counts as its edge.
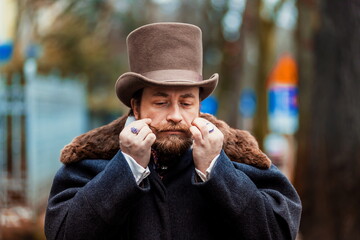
(200, 123)
(150, 139)
(210, 127)
(144, 131)
(145, 120)
(197, 136)
(135, 127)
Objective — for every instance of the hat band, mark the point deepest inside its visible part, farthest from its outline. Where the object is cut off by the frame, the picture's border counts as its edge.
(173, 74)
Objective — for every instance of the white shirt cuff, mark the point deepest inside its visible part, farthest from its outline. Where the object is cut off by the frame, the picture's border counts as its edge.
(137, 170)
(205, 177)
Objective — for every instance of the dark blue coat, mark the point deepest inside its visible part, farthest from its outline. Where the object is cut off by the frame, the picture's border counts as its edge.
(99, 199)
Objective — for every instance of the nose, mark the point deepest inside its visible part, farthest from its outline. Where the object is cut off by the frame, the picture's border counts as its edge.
(174, 114)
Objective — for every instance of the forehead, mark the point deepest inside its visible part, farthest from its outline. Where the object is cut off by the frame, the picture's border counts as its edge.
(171, 91)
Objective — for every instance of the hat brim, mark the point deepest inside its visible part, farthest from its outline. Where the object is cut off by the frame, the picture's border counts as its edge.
(130, 82)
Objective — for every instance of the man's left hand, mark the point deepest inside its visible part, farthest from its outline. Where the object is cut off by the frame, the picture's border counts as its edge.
(208, 142)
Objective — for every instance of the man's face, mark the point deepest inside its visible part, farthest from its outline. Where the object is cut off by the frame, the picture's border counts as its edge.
(164, 104)
(172, 111)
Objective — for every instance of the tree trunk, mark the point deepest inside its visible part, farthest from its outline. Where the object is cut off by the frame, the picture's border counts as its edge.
(328, 170)
(266, 29)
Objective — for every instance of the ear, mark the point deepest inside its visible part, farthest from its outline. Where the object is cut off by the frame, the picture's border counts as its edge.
(135, 109)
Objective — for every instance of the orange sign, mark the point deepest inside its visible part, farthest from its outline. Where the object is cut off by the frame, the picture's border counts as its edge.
(285, 72)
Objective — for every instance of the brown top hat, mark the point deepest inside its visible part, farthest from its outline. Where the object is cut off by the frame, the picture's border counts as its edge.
(164, 54)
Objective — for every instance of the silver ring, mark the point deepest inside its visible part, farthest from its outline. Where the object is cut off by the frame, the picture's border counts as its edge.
(134, 130)
(212, 129)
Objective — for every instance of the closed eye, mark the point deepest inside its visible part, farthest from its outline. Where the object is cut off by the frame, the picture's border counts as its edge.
(160, 103)
(186, 104)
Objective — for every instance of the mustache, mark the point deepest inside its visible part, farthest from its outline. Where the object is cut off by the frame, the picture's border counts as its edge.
(171, 127)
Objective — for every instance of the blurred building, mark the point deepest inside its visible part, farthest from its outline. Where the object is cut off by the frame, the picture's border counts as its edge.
(38, 116)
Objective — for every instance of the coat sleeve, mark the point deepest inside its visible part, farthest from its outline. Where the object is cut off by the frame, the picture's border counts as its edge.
(88, 196)
(255, 203)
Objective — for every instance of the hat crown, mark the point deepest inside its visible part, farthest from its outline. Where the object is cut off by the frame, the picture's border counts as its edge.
(164, 55)
(165, 46)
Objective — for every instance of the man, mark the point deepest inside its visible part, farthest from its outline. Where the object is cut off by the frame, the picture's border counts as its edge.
(172, 172)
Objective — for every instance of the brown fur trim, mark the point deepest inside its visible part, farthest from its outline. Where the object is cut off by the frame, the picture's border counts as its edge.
(103, 143)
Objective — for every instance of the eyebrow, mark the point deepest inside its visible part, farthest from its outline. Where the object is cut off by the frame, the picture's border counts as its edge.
(162, 94)
(187, 95)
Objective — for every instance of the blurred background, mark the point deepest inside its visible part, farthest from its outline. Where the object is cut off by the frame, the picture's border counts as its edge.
(289, 74)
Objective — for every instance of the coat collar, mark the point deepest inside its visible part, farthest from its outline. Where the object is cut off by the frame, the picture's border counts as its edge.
(103, 143)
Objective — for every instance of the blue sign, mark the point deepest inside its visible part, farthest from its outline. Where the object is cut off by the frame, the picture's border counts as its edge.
(209, 105)
(33, 51)
(247, 106)
(283, 109)
(6, 50)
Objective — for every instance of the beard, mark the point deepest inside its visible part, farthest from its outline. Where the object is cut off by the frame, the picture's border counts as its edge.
(170, 147)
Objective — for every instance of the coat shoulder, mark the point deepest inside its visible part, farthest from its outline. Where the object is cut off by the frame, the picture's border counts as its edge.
(103, 143)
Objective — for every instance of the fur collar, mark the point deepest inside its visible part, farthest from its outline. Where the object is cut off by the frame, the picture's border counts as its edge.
(103, 143)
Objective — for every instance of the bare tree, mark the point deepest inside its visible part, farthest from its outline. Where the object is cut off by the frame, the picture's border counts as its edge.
(265, 30)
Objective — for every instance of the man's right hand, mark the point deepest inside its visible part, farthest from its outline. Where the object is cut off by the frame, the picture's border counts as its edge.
(136, 140)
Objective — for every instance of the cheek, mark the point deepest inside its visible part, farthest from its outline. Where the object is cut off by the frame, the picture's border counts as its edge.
(189, 117)
(156, 117)
(156, 121)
